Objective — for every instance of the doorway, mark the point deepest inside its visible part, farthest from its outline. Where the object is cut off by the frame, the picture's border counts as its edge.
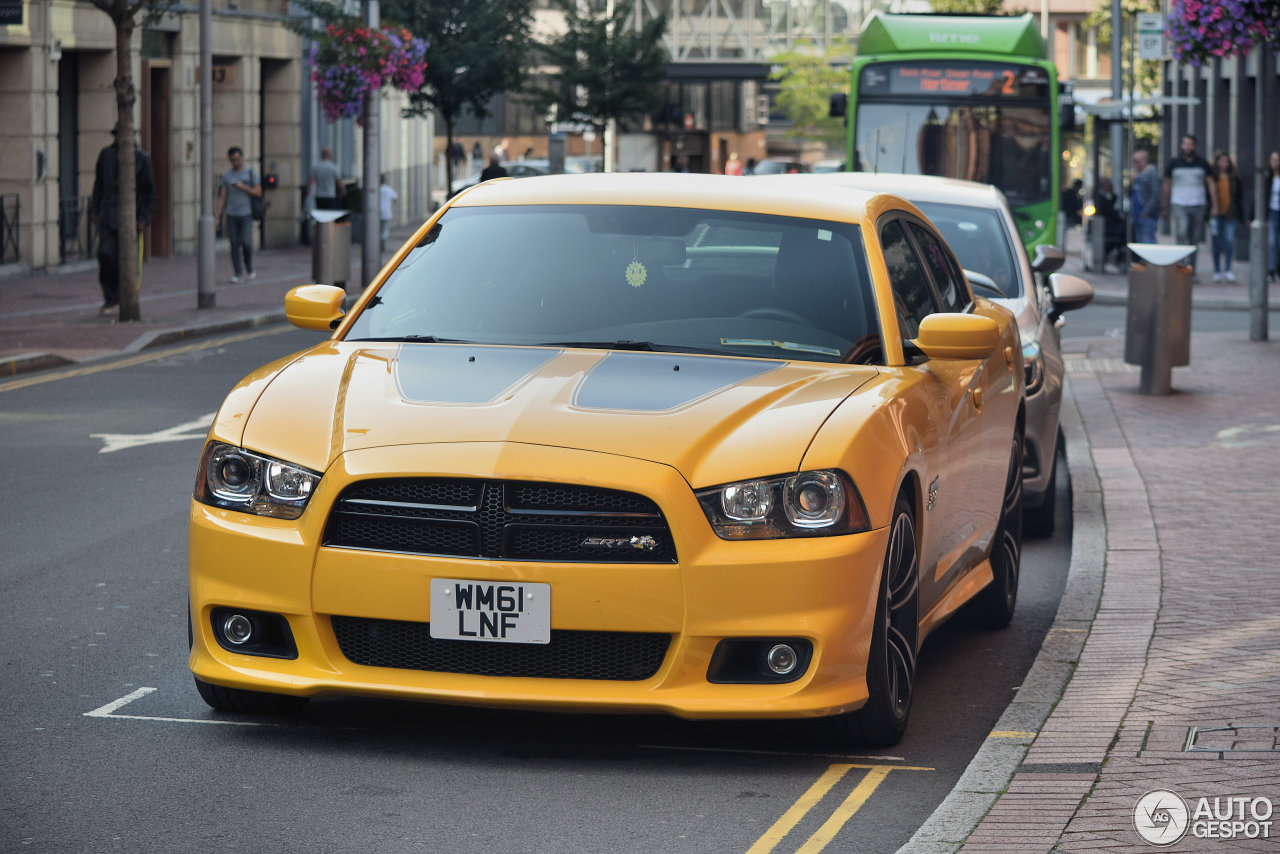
(157, 140)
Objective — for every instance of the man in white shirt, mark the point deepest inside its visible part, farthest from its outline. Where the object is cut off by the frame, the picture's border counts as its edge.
(1189, 194)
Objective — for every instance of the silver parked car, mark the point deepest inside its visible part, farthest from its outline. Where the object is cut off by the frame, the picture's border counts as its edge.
(976, 221)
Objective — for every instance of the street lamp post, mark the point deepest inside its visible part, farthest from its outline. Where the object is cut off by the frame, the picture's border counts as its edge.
(371, 252)
(206, 235)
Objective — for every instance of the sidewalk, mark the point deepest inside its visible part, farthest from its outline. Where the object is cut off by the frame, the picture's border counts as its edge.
(1161, 673)
(51, 319)
(1162, 669)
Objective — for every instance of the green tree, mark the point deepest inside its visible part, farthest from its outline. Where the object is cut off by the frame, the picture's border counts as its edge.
(606, 68)
(1147, 76)
(969, 7)
(807, 81)
(477, 49)
(126, 16)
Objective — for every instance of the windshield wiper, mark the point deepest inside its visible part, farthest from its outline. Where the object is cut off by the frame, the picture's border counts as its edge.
(416, 339)
(623, 344)
(780, 345)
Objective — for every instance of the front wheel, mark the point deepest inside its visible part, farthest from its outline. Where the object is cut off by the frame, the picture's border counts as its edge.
(891, 663)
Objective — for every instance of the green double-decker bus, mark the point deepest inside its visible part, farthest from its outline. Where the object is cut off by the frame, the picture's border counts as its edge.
(962, 96)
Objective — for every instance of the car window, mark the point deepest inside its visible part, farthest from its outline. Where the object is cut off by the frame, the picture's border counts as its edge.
(946, 275)
(644, 277)
(913, 297)
(979, 240)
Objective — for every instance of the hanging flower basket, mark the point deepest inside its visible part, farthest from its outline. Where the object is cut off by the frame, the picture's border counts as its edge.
(1202, 30)
(351, 62)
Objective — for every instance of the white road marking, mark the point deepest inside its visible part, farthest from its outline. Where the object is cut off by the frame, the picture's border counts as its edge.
(196, 429)
(109, 711)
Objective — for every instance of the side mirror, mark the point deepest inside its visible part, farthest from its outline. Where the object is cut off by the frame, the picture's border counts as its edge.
(1068, 293)
(1048, 259)
(957, 336)
(314, 306)
(984, 285)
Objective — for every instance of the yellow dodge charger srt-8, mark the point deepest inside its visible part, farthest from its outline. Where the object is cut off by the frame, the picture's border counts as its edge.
(689, 444)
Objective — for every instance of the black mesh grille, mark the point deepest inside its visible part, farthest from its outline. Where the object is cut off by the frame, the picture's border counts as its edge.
(513, 520)
(618, 656)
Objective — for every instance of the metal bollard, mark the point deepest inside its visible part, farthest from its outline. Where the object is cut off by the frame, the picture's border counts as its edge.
(1158, 318)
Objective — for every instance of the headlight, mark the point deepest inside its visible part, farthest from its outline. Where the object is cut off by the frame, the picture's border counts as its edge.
(809, 504)
(1033, 365)
(237, 479)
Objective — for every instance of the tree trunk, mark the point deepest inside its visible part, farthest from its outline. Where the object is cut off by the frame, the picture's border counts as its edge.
(127, 219)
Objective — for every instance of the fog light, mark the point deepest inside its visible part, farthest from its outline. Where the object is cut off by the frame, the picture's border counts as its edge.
(782, 659)
(237, 629)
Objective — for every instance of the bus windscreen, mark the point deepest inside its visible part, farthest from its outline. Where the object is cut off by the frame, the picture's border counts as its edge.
(1007, 145)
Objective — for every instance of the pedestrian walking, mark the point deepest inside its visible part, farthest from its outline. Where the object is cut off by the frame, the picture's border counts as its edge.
(733, 166)
(1227, 211)
(1073, 203)
(387, 197)
(1272, 188)
(1144, 197)
(326, 181)
(1189, 194)
(235, 188)
(104, 208)
(495, 169)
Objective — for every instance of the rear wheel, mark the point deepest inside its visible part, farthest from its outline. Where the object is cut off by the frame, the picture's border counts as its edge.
(1039, 521)
(248, 702)
(994, 605)
(891, 664)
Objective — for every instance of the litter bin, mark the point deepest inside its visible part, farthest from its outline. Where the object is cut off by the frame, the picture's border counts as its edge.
(1158, 322)
(331, 247)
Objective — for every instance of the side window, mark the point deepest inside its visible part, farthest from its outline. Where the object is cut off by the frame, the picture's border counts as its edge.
(946, 274)
(912, 296)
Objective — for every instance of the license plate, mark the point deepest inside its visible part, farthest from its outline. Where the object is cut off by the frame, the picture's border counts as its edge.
(507, 612)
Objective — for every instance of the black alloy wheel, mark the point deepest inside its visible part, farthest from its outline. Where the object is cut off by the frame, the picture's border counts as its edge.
(891, 665)
(994, 606)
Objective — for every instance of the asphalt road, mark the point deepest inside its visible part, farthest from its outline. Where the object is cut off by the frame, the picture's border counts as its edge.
(107, 747)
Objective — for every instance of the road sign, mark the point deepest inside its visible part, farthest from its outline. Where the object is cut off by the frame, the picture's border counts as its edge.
(1150, 35)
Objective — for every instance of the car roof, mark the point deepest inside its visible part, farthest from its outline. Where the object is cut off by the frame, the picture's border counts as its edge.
(768, 194)
(924, 188)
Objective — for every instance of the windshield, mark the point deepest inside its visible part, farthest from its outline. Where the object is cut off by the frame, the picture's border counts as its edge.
(980, 241)
(999, 144)
(630, 277)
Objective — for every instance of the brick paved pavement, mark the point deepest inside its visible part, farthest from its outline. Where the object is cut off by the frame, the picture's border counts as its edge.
(1170, 620)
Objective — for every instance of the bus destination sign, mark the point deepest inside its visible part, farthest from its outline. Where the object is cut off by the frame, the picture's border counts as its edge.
(940, 78)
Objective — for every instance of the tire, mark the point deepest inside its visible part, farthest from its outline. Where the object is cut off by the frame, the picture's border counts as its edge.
(891, 663)
(994, 606)
(248, 702)
(1039, 521)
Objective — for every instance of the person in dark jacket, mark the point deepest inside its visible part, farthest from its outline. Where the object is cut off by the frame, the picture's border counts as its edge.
(1229, 211)
(1115, 225)
(104, 207)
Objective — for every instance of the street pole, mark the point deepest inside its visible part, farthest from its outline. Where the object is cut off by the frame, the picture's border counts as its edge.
(371, 252)
(1258, 228)
(1117, 95)
(610, 125)
(206, 235)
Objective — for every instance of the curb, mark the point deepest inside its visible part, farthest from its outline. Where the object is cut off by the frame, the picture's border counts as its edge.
(992, 768)
(161, 337)
(29, 362)
(26, 362)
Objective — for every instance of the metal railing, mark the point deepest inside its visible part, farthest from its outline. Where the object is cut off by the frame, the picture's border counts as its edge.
(75, 230)
(10, 222)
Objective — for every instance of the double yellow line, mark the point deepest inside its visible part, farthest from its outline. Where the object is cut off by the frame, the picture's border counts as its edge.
(834, 774)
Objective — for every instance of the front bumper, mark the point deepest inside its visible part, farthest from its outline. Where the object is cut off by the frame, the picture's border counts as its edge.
(822, 590)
